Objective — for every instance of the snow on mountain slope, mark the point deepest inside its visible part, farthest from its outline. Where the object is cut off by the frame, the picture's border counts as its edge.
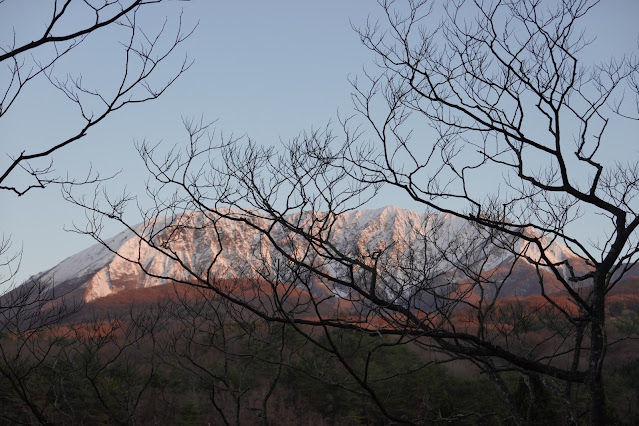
(86, 262)
(398, 238)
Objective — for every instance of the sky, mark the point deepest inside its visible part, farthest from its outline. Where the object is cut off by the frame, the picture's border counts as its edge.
(265, 69)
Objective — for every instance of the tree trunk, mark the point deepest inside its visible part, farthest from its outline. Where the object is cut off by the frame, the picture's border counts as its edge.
(597, 355)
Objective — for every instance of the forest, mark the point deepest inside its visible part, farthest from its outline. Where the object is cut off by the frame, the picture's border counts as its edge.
(176, 355)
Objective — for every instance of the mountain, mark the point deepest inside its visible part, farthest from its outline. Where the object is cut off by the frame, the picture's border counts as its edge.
(408, 246)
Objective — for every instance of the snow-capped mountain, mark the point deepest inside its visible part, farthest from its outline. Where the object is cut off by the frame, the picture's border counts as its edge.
(410, 247)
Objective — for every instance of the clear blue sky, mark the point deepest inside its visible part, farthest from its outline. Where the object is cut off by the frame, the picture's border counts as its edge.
(268, 69)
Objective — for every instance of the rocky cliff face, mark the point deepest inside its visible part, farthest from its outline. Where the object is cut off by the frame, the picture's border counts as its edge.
(410, 247)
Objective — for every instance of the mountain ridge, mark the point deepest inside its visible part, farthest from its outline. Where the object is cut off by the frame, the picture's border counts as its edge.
(231, 249)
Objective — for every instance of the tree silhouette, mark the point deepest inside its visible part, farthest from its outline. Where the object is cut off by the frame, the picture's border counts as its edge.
(143, 57)
(517, 123)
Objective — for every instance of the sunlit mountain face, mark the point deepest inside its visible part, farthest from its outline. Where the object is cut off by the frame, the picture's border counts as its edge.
(416, 256)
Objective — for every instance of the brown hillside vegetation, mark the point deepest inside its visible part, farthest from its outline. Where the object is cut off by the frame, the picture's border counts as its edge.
(175, 354)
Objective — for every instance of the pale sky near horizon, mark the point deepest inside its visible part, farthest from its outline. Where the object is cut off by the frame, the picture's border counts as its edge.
(267, 69)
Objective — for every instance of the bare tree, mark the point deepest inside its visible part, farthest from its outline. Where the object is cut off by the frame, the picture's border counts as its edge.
(516, 123)
(298, 274)
(29, 338)
(31, 315)
(144, 54)
(505, 87)
(60, 364)
(9, 260)
(231, 360)
(113, 359)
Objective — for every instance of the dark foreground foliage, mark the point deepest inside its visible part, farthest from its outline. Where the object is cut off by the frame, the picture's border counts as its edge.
(187, 360)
